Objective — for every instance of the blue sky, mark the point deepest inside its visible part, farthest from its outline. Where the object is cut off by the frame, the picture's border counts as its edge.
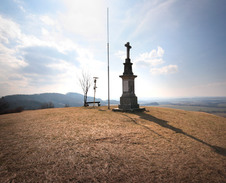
(178, 46)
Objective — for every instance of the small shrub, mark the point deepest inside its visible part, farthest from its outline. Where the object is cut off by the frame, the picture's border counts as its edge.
(67, 105)
(47, 105)
(15, 110)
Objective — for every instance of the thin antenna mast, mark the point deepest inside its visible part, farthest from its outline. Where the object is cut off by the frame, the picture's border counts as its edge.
(108, 57)
(94, 88)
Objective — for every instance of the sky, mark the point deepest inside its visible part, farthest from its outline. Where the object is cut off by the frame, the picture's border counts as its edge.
(178, 46)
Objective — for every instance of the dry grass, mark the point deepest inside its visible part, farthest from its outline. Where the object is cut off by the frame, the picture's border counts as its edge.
(97, 145)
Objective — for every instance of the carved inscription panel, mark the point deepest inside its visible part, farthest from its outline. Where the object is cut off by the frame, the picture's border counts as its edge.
(125, 85)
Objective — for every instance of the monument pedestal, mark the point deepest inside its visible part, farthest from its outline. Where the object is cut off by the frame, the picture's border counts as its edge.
(128, 100)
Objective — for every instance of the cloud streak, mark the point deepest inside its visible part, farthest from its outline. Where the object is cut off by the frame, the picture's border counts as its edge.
(170, 69)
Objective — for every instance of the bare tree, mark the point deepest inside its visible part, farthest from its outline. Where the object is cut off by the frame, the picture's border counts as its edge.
(47, 105)
(85, 82)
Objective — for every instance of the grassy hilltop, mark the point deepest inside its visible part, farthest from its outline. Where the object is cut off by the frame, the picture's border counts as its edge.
(96, 145)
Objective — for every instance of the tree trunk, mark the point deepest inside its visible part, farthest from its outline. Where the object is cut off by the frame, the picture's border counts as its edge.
(85, 100)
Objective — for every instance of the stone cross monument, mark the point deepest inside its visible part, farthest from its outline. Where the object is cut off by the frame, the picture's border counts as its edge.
(128, 100)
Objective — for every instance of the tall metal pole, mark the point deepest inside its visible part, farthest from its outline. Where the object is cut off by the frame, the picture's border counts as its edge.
(108, 57)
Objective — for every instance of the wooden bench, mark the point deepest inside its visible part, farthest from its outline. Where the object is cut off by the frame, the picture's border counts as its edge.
(87, 103)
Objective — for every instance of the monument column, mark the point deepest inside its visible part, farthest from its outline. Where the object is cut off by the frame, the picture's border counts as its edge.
(128, 100)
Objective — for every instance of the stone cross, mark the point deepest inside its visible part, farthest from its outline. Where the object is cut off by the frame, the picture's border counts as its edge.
(128, 100)
(127, 45)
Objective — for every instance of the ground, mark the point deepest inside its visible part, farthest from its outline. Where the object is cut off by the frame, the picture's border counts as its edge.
(97, 145)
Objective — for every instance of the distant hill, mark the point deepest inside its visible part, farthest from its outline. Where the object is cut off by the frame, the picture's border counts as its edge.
(36, 101)
(151, 104)
(214, 105)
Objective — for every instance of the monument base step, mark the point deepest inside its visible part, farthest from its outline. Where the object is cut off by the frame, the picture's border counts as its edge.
(129, 110)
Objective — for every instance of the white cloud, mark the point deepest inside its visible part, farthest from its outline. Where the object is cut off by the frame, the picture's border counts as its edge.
(170, 69)
(150, 59)
(86, 18)
(160, 52)
(8, 58)
(10, 61)
(8, 30)
(88, 62)
(47, 20)
(45, 32)
(11, 81)
(20, 5)
(153, 58)
(13, 49)
(121, 54)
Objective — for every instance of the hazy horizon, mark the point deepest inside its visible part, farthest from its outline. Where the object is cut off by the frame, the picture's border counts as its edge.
(140, 98)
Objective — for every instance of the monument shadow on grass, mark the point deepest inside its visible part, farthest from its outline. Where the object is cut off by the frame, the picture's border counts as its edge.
(164, 124)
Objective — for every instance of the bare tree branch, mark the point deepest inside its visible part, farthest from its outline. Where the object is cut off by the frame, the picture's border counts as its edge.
(85, 83)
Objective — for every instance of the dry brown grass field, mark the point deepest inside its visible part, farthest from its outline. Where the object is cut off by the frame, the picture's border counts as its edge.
(98, 145)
